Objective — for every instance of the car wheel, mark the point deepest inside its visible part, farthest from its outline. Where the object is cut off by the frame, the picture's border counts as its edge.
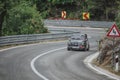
(88, 48)
(85, 49)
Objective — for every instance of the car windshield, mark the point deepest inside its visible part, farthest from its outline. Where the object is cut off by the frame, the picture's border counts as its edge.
(77, 37)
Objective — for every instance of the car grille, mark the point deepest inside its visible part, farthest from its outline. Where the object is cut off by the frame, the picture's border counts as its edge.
(74, 44)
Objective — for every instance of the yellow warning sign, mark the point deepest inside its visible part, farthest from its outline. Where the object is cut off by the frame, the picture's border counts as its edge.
(63, 14)
(86, 15)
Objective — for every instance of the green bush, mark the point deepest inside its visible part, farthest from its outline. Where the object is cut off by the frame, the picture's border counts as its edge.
(23, 19)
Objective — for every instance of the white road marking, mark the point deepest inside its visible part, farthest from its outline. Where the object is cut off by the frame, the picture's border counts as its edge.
(15, 47)
(88, 61)
(34, 59)
(20, 46)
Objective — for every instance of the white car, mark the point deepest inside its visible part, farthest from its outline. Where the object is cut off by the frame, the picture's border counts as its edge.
(78, 42)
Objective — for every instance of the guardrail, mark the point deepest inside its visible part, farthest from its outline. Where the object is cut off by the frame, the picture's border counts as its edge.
(78, 23)
(19, 39)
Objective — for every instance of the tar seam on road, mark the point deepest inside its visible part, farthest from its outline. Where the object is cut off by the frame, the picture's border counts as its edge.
(34, 59)
(88, 61)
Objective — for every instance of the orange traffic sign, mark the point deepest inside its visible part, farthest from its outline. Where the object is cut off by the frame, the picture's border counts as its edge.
(113, 32)
(63, 14)
(86, 15)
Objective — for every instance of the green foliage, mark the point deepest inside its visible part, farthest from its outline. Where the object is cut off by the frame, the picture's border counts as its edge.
(23, 19)
(24, 16)
(103, 9)
(53, 8)
(1, 7)
(99, 9)
(118, 17)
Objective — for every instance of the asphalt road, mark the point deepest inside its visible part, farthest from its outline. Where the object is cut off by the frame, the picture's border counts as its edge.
(60, 64)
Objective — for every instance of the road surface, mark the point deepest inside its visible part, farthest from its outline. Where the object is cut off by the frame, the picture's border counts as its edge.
(50, 60)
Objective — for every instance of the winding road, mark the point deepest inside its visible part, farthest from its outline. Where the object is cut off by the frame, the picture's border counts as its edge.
(50, 60)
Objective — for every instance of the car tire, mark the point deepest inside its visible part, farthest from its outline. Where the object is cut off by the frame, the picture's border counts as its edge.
(88, 48)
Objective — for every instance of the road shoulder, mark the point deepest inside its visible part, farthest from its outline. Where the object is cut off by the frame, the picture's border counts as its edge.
(88, 63)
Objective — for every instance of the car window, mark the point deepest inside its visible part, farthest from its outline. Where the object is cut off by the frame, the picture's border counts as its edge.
(82, 37)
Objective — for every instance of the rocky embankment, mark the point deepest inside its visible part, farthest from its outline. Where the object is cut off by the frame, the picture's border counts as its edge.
(109, 48)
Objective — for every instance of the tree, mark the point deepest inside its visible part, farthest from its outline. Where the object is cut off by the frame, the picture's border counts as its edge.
(118, 16)
(53, 8)
(103, 9)
(98, 9)
(2, 14)
(5, 5)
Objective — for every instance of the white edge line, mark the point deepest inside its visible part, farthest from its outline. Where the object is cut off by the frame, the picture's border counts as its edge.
(87, 62)
(20, 46)
(34, 59)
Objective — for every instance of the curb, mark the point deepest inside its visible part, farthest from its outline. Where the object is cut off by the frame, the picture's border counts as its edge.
(88, 60)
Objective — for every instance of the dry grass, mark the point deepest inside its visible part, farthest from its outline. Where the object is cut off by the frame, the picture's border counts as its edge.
(106, 67)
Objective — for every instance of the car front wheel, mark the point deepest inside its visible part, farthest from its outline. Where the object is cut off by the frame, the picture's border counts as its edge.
(88, 48)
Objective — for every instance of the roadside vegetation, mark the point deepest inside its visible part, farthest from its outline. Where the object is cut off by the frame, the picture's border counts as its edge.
(26, 16)
(109, 48)
(117, 19)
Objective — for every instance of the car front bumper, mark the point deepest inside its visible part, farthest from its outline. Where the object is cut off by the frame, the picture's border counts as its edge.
(77, 47)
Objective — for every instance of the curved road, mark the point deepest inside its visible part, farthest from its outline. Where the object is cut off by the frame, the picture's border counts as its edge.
(52, 64)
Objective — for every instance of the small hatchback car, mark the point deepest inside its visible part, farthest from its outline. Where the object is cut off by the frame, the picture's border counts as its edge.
(78, 42)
